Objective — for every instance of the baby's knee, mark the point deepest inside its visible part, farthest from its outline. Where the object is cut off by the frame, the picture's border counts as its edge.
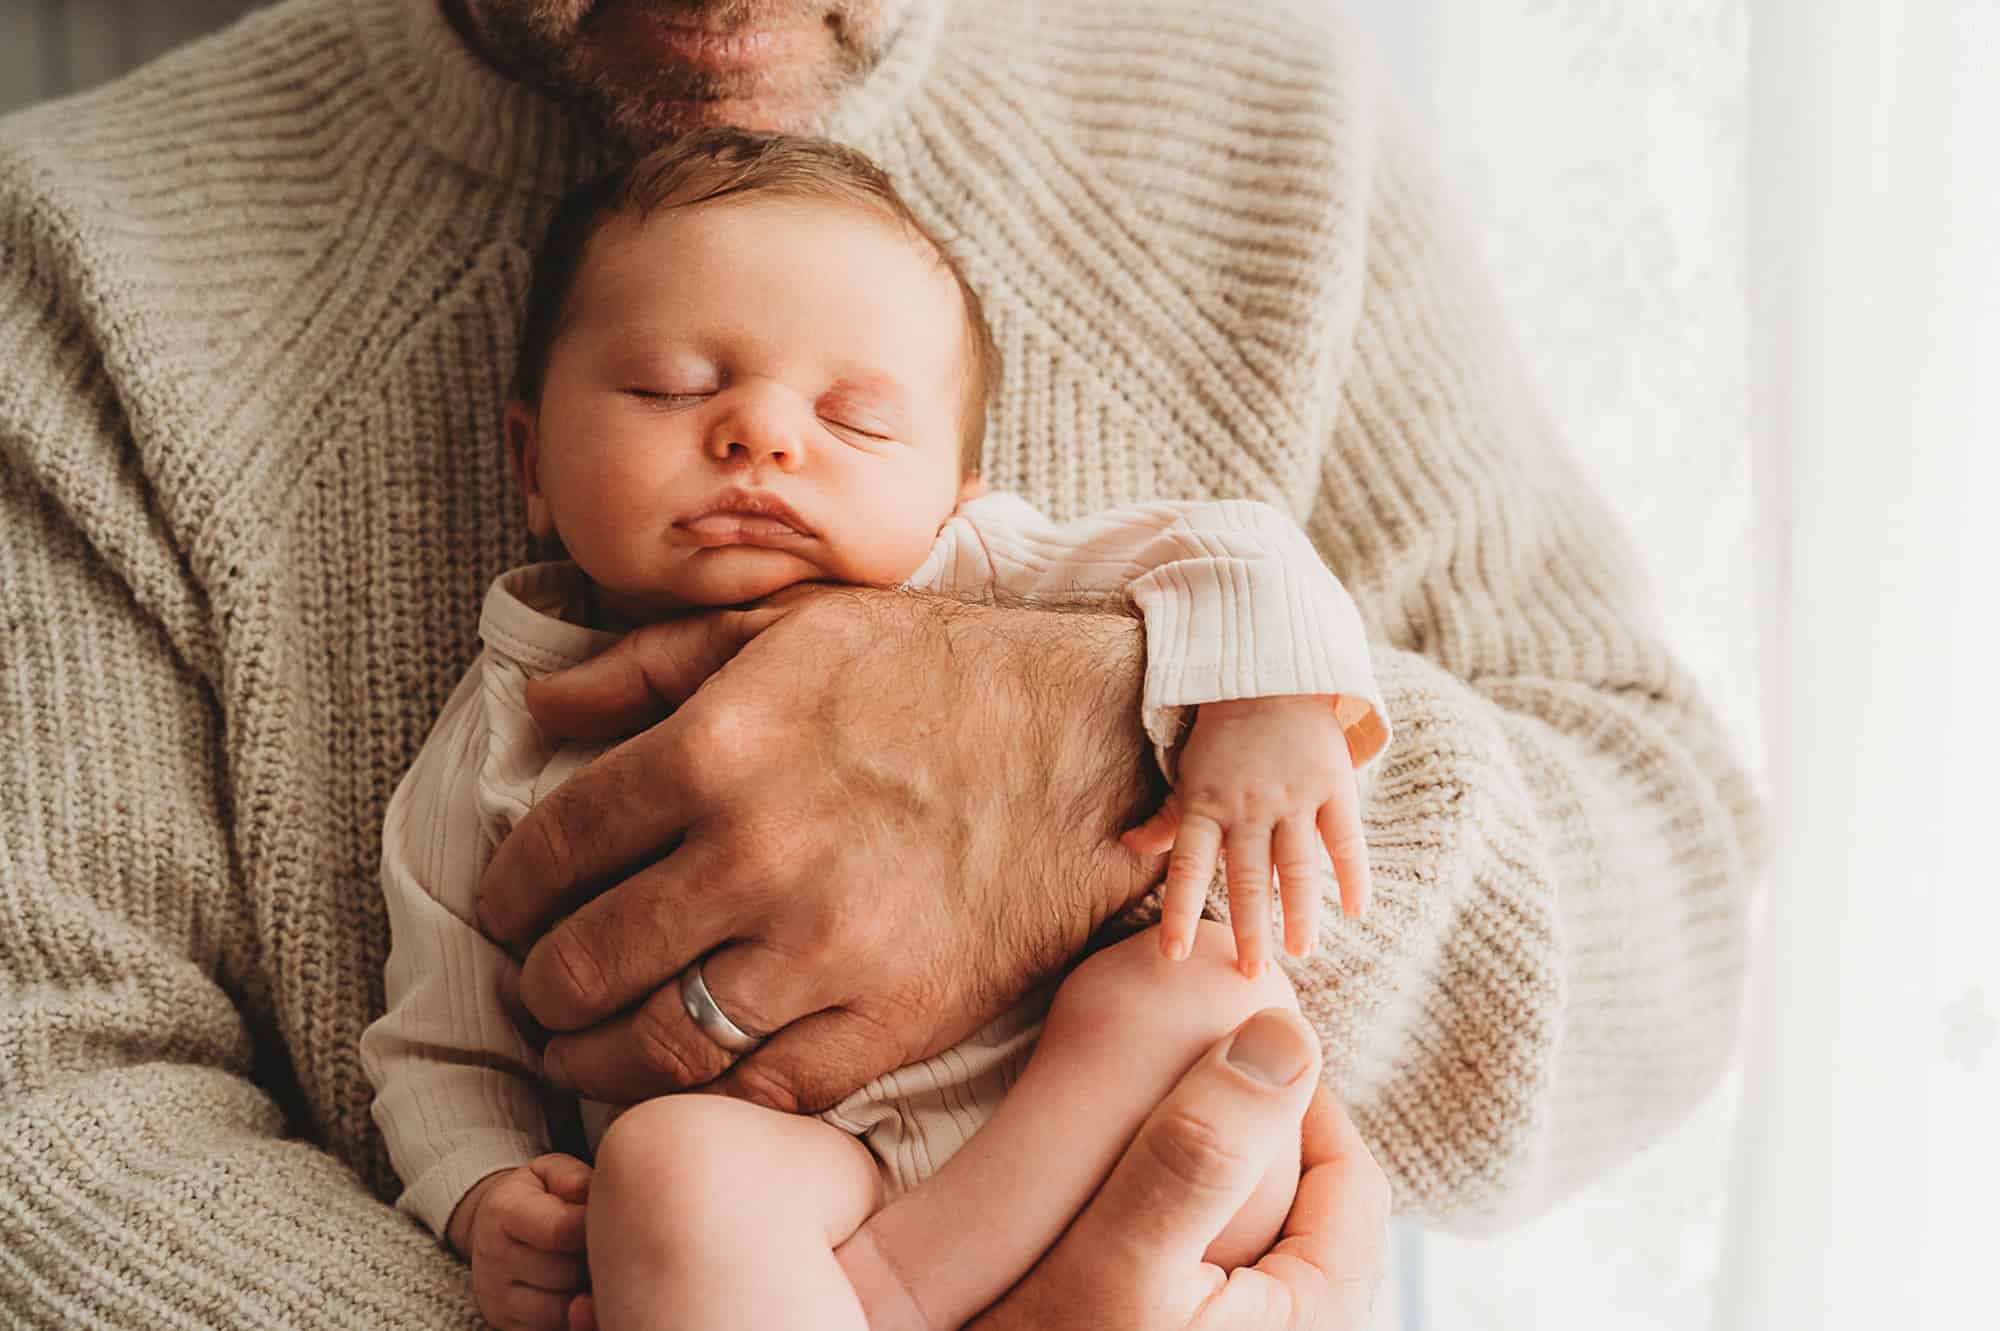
(669, 1147)
(1133, 983)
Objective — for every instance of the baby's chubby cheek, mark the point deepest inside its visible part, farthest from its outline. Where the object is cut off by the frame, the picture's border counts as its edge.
(893, 552)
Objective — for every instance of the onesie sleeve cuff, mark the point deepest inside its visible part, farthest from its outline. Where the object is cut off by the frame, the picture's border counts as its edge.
(436, 1193)
(1254, 627)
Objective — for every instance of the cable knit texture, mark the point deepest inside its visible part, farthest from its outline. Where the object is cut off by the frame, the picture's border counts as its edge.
(257, 306)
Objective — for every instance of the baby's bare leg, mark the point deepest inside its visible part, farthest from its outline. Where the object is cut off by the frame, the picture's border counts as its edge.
(710, 1212)
(1123, 1030)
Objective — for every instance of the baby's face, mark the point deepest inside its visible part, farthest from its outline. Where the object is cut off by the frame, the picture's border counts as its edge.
(748, 394)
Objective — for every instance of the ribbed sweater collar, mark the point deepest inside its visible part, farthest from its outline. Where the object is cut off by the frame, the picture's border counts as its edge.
(472, 115)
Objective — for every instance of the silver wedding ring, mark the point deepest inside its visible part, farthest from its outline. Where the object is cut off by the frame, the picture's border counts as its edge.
(707, 1014)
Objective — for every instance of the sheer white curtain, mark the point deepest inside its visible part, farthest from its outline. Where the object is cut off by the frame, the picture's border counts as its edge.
(1790, 392)
(1868, 1168)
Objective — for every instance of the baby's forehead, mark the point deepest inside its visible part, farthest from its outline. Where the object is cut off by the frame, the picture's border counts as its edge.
(693, 247)
(821, 222)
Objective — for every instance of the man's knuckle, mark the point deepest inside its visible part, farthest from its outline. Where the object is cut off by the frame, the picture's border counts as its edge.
(711, 733)
(727, 632)
(577, 970)
(1281, 1307)
(767, 1086)
(656, 652)
(660, 1042)
(850, 930)
(882, 1039)
(552, 843)
(1193, 1153)
(676, 747)
(1260, 1300)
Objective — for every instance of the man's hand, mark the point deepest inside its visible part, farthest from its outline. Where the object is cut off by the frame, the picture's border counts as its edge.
(1132, 1261)
(522, 1230)
(875, 818)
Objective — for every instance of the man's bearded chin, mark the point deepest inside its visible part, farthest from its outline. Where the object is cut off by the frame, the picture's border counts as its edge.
(583, 53)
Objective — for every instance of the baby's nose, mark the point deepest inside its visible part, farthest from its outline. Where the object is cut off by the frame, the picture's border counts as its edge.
(758, 429)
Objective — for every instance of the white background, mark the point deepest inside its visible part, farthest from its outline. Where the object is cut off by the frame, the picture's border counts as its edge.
(1749, 250)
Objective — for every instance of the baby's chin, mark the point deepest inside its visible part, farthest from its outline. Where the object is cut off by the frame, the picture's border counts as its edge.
(718, 577)
(736, 575)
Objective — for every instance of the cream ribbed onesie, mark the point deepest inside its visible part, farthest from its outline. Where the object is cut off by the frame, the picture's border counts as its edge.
(1236, 605)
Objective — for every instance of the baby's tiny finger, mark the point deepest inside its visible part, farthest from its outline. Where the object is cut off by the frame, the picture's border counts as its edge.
(564, 1175)
(1180, 910)
(557, 1272)
(1152, 837)
(1196, 845)
(545, 1222)
(527, 1307)
(1247, 866)
(1340, 829)
(583, 1313)
(1155, 836)
(1300, 882)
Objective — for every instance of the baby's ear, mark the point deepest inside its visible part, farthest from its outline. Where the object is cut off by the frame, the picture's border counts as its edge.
(524, 448)
(973, 486)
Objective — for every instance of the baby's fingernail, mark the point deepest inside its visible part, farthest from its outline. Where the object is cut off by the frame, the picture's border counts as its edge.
(1269, 1049)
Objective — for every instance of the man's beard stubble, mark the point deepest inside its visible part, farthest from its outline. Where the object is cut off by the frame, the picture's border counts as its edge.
(561, 48)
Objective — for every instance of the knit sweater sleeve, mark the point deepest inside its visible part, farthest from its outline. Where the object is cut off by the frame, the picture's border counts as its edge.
(1564, 845)
(148, 1177)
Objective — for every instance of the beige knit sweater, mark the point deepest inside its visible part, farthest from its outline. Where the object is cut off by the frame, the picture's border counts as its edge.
(257, 305)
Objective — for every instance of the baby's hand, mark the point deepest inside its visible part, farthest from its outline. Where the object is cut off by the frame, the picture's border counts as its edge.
(1262, 781)
(526, 1245)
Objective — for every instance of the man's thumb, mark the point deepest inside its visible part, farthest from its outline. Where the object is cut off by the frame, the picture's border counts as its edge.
(645, 675)
(1203, 1151)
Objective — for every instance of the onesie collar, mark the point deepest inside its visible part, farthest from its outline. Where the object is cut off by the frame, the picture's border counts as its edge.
(523, 618)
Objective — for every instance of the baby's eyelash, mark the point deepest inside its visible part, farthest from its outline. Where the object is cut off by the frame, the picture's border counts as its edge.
(855, 429)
